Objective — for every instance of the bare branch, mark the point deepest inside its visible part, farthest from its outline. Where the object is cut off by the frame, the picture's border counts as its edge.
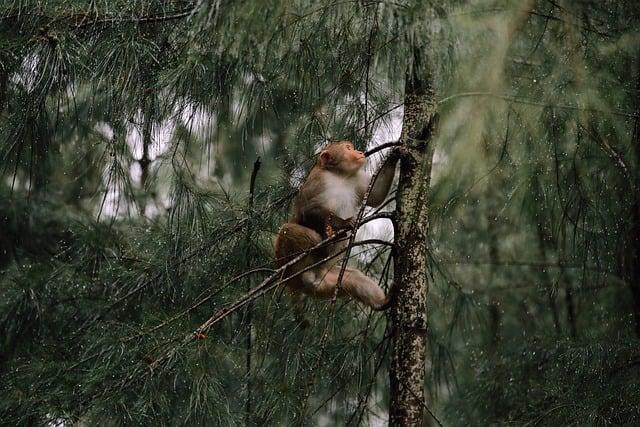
(381, 147)
(265, 286)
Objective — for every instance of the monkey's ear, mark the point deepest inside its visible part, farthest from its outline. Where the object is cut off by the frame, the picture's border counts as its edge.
(325, 157)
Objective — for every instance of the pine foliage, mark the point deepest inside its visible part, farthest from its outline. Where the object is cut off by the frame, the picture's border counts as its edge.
(129, 131)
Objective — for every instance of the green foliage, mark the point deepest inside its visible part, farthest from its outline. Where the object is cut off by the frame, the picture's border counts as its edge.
(551, 382)
(128, 133)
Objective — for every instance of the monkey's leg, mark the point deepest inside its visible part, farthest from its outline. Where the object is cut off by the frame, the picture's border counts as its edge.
(354, 283)
(292, 240)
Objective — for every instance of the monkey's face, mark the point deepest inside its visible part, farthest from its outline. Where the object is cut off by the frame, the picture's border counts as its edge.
(342, 157)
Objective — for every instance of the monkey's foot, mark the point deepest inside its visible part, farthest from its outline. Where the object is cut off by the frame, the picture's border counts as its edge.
(385, 305)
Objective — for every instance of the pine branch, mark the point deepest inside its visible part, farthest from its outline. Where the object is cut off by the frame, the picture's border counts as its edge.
(533, 103)
(265, 286)
(249, 311)
(239, 226)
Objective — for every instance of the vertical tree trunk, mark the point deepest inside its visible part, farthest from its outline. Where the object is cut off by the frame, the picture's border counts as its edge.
(408, 313)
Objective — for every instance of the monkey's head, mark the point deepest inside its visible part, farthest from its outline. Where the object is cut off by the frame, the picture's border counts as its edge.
(341, 157)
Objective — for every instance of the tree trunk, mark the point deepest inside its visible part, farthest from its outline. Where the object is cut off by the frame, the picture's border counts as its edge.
(408, 312)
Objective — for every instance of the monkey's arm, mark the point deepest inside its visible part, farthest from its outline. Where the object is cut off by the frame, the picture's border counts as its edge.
(323, 220)
(383, 181)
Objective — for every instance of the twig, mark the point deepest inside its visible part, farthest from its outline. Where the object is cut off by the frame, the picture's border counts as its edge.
(586, 27)
(238, 226)
(249, 312)
(200, 302)
(367, 71)
(381, 147)
(424, 405)
(365, 403)
(611, 152)
(231, 281)
(381, 115)
(139, 20)
(532, 264)
(537, 287)
(265, 286)
(358, 220)
(375, 350)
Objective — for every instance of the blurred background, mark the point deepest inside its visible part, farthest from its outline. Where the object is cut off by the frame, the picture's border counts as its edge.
(129, 131)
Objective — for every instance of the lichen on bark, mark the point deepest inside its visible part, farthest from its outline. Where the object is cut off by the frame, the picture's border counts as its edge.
(408, 312)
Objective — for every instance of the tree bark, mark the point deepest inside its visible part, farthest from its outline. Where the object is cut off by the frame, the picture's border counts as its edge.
(408, 312)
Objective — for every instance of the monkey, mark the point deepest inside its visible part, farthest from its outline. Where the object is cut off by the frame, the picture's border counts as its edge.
(327, 202)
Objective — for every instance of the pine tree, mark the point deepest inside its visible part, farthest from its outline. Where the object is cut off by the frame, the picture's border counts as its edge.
(137, 282)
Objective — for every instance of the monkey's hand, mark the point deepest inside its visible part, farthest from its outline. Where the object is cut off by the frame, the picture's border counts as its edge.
(338, 223)
(329, 231)
(352, 222)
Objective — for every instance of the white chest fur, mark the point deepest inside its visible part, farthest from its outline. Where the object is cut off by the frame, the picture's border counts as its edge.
(340, 195)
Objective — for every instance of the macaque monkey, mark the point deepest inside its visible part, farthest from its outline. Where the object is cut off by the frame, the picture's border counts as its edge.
(328, 202)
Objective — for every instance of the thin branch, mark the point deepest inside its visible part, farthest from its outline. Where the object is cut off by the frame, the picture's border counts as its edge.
(381, 115)
(213, 242)
(351, 374)
(179, 14)
(424, 405)
(548, 17)
(535, 286)
(364, 402)
(358, 221)
(367, 71)
(249, 311)
(381, 147)
(217, 291)
(265, 286)
(200, 302)
(611, 152)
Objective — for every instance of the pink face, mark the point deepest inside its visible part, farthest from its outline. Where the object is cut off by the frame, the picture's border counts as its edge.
(342, 157)
(356, 156)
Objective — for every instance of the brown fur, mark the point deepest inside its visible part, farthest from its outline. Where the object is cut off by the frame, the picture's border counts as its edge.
(335, 186)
